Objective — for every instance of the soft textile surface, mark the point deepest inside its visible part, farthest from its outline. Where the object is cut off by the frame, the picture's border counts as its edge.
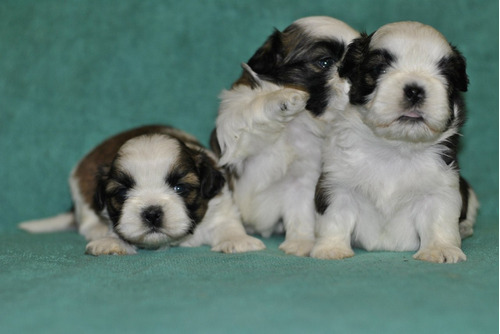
(75, 72)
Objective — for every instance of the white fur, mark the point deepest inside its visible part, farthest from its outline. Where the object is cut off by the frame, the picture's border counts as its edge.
(273, 144)
(276, 156)
(387, 185)
(148, 160)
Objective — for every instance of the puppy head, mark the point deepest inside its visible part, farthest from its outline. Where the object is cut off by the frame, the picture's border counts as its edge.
(407, 80)
(305, 56)
(157, 189)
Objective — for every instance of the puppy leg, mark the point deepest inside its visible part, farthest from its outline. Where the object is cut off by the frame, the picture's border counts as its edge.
(110, 245)
(251, 120)
(439, 232)
(467, 226)
(90, 225)
(102, 240)
(334, 229)
(284, 104)
(298, 218)
(222, 228)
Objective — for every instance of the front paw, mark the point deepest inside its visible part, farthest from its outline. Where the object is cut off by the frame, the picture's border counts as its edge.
(331, 252)
(239, 245)
(109, 246)
(441, 254)
(299, 247)
(289, 102)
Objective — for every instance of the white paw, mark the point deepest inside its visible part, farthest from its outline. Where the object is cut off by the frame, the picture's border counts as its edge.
(443, 254)
(299, 247)
(239, 245)
(466, 229)
(331, 252)
(290, 103)
(109, 246)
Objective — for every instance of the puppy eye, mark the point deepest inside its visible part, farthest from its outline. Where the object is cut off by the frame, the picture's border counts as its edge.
(120, 194)
(325, 63)
(181, 189)
(378, 70)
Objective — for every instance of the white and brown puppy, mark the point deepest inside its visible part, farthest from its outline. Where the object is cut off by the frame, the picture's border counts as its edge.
(150, 187)
(268, 132)
(390, 178)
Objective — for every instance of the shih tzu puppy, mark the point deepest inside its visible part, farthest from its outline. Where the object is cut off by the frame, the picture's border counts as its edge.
(150, 187)
(269, 127)
(390, 177)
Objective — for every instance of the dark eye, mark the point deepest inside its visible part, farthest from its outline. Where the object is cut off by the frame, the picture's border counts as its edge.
(325, 63)
(120, 194)
(181, 189)
(378, 70)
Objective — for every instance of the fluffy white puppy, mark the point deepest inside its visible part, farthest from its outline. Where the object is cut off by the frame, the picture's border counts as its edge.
(150, 187)
(268, 132)
(390, 178)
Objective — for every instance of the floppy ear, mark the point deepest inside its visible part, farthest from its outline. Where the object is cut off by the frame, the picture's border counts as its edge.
(351, 68)
(454, 69)
(354, 56)
(268, 56)
(100, 191)
(211, 178)
(251, 77)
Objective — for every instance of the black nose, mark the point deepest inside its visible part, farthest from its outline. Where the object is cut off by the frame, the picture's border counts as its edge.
(152, 215)
(414, 94)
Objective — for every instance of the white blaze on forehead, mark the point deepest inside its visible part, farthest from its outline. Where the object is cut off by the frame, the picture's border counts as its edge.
(411, 39)
(324, 26)
(148, 157)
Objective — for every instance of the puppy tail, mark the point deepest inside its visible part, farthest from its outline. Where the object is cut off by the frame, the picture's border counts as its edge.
(62, 222)
(466, 226)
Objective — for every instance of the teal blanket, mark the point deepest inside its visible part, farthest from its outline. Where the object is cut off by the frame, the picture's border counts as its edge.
(74, 72)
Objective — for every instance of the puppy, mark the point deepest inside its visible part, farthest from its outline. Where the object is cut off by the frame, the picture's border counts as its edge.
(390, 177)
(150, 187)
(269, 130)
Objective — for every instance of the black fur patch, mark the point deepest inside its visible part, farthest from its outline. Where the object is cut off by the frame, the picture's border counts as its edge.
(453, 68)
(321, 200)
(113, 186)
(197, 174)
(464, 192)
(363, 67)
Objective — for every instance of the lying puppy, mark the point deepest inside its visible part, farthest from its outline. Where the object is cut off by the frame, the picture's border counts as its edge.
(390, 179)
(268, 141)
(150, 187)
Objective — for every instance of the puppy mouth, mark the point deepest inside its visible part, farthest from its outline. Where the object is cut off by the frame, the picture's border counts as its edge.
(412, 116)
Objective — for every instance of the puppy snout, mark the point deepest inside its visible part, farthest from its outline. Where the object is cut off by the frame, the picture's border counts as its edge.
(414, 94)
(152, 215)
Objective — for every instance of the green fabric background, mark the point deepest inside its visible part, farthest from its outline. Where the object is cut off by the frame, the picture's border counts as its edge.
(75, 72)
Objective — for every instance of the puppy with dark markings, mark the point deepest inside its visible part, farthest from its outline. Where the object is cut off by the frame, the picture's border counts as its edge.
(150, 187)
(390, 177)
(270, 127)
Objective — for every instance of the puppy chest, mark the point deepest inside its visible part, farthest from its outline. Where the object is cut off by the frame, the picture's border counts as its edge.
(390, 181)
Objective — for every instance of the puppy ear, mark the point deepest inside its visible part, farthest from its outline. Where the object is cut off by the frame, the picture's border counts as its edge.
(100, 191)
(454, 68)
(251, 77)
(351, 68)
(269, 56)
(354, 56)
(211, 178)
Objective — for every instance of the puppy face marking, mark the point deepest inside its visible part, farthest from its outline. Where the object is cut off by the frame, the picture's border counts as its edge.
(304, 56)
(400, 75)
(153, 192)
